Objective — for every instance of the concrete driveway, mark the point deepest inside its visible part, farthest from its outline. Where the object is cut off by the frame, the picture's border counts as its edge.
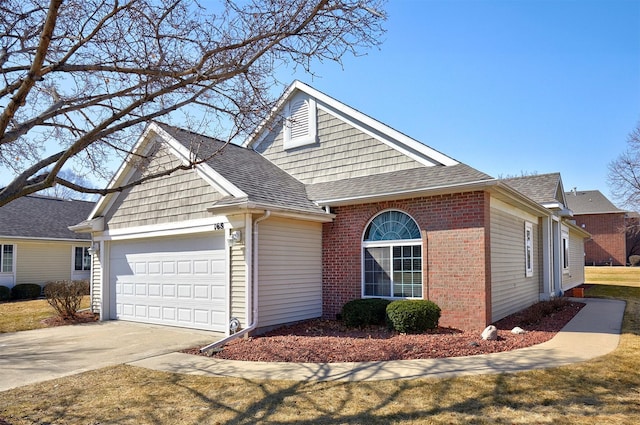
(42, 354)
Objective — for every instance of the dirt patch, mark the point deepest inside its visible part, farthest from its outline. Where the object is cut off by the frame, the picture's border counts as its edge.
(328, 341)
(82, 317)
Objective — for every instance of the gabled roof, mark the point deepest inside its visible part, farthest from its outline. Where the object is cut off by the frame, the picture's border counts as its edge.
(414, 180)
(590, 202)
(42, 217)
(545, 189)
(399, 141)
(261, 181)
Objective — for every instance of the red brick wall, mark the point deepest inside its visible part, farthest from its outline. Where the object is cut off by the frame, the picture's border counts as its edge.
(456, 273)
(608, 240)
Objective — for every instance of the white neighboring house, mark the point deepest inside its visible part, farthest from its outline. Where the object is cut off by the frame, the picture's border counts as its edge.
(36, 245)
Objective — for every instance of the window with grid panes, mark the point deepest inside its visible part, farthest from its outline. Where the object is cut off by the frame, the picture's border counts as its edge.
(392, 257)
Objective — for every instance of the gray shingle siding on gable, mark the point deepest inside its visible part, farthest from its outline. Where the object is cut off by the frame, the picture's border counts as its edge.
(343, 152)
(183, 195)
(41, 217)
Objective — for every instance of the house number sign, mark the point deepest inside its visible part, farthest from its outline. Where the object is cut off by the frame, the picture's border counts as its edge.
(218, 226)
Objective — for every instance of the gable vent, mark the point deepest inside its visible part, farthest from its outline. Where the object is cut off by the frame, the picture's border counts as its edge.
(299, 119)
(300, 123)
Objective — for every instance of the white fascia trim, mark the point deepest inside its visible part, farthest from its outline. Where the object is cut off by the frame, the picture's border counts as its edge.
(207, 173)
(210, 224)
(453, 188)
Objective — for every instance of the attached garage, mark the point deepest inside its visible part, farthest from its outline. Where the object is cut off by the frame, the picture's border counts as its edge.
(176, 281)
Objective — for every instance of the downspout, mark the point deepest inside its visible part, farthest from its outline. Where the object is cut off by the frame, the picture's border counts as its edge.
(254, 304)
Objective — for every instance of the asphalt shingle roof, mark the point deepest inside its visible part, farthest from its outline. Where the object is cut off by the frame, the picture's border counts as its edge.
(35, 216)
(398, 181)
(542, 188)
(249, 171)
(590, 202)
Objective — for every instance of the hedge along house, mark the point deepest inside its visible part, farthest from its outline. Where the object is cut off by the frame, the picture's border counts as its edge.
(322, 205)
(36, 245)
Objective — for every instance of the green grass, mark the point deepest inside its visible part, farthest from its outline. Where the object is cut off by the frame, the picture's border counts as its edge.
(605, 391)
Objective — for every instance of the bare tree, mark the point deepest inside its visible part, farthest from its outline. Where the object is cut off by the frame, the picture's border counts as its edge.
(624, 173)
(87, 76)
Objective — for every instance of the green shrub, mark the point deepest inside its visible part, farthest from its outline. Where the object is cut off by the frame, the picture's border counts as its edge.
(5, 293)
(365, 312)
(65, 296)
(411, 316)
(26, 291)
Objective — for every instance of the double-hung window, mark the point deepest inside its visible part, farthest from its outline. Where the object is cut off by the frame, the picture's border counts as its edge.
(392, 257)
(6, 258)
(82, 259)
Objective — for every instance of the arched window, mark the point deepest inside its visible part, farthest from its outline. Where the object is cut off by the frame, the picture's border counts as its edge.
(392, 257)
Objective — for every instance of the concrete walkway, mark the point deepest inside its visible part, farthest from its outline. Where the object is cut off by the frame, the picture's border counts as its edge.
(593, 332)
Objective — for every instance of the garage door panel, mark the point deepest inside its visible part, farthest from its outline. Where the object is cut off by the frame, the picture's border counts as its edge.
(185, 287)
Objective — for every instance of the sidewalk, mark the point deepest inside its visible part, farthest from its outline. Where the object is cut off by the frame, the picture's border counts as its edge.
(593, 332)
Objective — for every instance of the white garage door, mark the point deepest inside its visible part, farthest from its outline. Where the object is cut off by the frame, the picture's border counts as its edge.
(170, 281)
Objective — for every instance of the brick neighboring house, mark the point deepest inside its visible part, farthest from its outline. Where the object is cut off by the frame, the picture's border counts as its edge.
(597, 215)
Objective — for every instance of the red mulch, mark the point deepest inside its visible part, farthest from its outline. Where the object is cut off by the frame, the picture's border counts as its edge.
(328, 341)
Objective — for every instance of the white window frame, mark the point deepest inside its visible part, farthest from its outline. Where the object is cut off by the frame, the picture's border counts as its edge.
(528, 249)
(85, 253)
(390, 244)
(13, 259)
(310, 121)
(566, 249)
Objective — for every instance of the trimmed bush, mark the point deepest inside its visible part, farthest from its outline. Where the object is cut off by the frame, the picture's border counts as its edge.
(413, 316)
(365, 312)
(65, 296)
(634, 260)
(26, 291)
(5, 293)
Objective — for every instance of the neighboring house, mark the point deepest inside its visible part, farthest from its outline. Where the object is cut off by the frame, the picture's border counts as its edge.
(606, 224)
(322, 205)
(36, 245)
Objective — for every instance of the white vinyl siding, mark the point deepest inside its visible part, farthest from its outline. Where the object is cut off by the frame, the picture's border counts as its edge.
(290, 271)
(238, 284)
(96, 283)
(181, 196)
(511, 289)
(343, 151)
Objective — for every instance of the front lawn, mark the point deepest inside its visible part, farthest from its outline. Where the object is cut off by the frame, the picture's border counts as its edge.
(26, 315)
(602, 391)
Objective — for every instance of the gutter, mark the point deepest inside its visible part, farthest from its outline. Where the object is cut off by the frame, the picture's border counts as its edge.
(254, 305)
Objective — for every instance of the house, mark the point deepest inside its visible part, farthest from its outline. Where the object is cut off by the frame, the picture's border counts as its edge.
(606, 224)
(36, 245)
(321, 205)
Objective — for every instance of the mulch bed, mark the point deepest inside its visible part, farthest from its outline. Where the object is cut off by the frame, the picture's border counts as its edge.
(329, 341)
(84, 316)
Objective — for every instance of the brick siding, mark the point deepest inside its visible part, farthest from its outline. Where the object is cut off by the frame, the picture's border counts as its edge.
(608, 240)
(456, 273)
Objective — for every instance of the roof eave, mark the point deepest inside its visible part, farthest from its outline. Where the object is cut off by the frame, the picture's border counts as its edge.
(244, 206)
(412, 193)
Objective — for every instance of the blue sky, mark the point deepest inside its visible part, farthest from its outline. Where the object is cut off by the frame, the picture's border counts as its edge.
(507, 87)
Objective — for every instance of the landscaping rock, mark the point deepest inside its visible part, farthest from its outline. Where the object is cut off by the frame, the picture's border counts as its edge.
(490, 333)
(518, 331)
